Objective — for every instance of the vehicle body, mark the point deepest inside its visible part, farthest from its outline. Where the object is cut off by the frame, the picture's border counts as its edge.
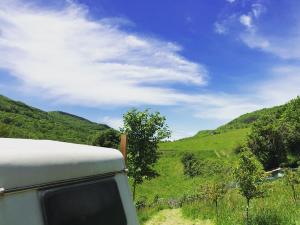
(55, 183)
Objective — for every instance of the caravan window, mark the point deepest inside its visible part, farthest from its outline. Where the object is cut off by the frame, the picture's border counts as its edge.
(88, 203)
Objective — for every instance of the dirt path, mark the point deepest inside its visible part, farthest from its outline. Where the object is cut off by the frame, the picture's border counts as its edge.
(174, 217)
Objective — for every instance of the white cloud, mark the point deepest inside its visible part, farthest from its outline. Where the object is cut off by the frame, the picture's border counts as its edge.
(285, 47)
(246, 20)
(227, 107)
(257, 36)
(181, 133)
(258, 9)
(231, 1)
(71, 58)
(281, 87)
(220, 28)
(113, 122)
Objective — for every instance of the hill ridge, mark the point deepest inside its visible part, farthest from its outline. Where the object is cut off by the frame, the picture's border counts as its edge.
(19, 120)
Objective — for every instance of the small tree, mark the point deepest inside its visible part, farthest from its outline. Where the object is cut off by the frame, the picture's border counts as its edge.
(216, 191)
(249, 175)
(292, 179)
(109, 138)
(144, 131)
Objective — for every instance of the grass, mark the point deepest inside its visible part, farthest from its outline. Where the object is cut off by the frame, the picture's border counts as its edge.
(174, 216)
(208, 142)
(278, 208)
(172, 183)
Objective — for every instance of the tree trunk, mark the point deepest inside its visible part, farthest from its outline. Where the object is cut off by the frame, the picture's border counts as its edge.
(294, 193)
(216, 205)
(134, 186)
(247, 212)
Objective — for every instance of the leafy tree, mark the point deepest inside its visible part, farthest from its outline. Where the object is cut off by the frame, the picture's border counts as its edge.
(290, 124)
(109, 138)
(267, 143)
(191, 165)
(249, 175)
(144, 131)
(216, 191)
(292, 179)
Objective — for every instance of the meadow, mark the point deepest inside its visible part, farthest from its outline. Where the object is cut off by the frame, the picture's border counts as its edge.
(171, 189)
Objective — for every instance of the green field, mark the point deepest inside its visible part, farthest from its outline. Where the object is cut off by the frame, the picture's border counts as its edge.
(277, 208)
(172, 183)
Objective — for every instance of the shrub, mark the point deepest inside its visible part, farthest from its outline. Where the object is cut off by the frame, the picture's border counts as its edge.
(191, 165)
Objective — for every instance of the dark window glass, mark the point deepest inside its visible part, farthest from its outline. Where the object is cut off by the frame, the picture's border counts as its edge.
(89, 203)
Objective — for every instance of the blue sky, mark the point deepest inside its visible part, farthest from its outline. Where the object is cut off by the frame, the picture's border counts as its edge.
(200, 63)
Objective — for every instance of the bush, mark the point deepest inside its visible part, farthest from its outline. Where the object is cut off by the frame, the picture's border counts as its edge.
(191, 165)
(109, 138)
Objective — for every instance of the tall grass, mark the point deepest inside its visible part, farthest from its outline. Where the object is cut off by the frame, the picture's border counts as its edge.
(278, 208)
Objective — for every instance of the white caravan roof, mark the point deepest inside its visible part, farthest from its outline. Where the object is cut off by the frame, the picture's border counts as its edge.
(33, 162)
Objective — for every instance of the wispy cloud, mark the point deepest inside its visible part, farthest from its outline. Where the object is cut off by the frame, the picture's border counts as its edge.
(113, 122)
(284, 45)
(220, 28)
(72, 58)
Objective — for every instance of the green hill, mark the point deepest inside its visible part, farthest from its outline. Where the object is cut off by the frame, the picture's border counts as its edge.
(22, 121)
(215, 150)
(212, 146)
(246, 120)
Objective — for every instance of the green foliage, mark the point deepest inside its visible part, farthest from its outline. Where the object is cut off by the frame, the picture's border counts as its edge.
(292, 179)
(278, 208)
(249, 175)
(267, 143)
(290, 123)
(276, 135)
(215, 191)
(144, 131)
(109, 138)
(191, 165)
(24, 121)
(4, 130)
(271, 217)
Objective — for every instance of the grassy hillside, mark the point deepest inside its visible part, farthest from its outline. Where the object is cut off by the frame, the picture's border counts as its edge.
(215, 150)
(212, 149)
(22, 121)
(246, 120)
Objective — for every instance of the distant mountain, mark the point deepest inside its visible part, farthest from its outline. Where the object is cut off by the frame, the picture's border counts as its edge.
(22, 121)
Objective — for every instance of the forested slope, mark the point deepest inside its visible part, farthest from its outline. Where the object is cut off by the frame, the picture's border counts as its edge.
(22, 121)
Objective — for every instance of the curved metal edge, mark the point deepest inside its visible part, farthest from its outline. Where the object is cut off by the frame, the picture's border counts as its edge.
(4, 191)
